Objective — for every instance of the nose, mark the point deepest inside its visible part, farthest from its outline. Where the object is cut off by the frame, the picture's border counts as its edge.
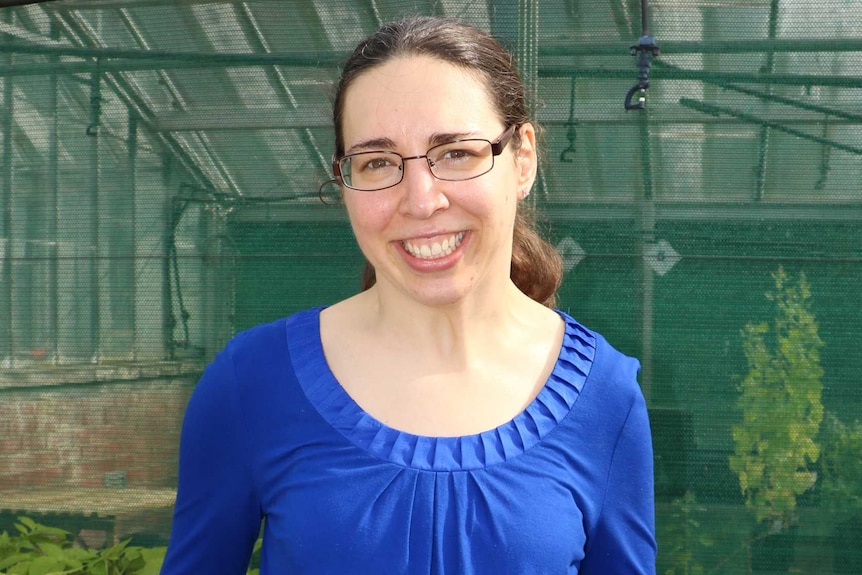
(422, 193)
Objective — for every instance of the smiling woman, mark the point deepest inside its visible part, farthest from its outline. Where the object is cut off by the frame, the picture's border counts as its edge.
(446, 419)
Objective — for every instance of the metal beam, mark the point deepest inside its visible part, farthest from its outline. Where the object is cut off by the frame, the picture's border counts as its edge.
(45, 47)
(853, 117)
(79, 5)
(250, 119)
(568, 211)
(24, 34)
(7, 342)
(221, 118)
(562, 71)
(545, 71)
(714, 110)
(182, 59)
(53, 219)
(746, 46)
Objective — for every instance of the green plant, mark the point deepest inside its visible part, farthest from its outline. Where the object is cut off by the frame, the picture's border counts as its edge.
(37, 549)
(683, 537)
(841, 468)
(42, 550)
(775, 445)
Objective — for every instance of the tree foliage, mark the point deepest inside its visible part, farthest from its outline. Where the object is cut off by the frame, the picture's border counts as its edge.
(775, 445)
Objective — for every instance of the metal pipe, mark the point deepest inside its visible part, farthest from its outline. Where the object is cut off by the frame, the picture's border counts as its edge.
(133, 100)
(254, 33)
(7, 346)
(767, 97)
(647, 238)
(545, 71)
(742, 46)
(763, 148)
(132, 227)
(644, 18)
(92, 132)
(205, 59)
(560, 71)
(714, 110)
(53, 219)
(321, 59)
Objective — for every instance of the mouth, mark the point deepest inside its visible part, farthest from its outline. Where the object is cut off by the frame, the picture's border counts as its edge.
(430, 250)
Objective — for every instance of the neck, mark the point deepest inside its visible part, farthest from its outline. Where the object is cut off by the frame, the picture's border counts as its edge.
(450, 332)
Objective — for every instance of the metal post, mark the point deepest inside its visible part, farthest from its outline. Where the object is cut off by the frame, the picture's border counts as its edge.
(167, 299)
(95, 284)
(647, 238)
(528, 48)
(53, 216)
(763, 149)
(7, 346)
(132, 227)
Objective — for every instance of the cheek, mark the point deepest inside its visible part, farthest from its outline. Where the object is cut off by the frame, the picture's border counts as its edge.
(368, 214)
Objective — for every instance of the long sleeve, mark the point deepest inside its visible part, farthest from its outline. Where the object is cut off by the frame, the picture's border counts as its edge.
(624, 540)
(217, 515)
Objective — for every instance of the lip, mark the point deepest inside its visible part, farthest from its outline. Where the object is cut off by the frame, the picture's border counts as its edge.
(435, 264)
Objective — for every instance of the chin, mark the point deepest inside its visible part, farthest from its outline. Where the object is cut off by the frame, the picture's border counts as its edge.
(437, 293)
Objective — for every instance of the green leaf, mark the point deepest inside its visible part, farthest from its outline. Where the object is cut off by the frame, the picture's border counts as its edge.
(52, 550)
(45, 565)
(14, 560)
(153, 559)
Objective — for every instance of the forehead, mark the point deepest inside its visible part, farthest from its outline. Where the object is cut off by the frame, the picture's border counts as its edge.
(415, 95)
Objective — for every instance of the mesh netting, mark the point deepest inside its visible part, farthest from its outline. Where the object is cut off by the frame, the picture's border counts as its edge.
(158, 193)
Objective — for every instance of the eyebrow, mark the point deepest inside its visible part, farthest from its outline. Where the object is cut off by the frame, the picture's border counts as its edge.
(388, 144)
(372, 144)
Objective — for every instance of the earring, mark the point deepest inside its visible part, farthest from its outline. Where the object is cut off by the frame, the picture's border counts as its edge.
(524, 193)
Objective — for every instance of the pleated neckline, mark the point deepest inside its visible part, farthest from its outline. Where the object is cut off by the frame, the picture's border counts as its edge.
(553, 403)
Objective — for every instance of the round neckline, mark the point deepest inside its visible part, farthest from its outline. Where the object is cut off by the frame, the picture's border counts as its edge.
(551, 405)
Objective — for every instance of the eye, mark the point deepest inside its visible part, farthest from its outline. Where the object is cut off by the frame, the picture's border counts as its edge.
(461, 154)
(376, 162)
(456, 154)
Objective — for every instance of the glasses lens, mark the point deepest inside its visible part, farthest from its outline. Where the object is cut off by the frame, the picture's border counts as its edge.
(369, 171)
(461, 160)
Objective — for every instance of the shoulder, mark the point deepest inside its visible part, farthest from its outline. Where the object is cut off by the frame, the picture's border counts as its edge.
(258, 356)
(612, 371)
(615, 370)
(611, 387)
(268, 341)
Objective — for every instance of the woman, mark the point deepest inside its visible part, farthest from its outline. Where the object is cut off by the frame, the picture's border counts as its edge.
(445, 420)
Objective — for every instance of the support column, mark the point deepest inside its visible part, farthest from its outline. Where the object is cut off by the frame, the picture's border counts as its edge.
(7, 346)
(95, 283)
(528, 48)
(132, 227)
(53, 215)
(647, 238)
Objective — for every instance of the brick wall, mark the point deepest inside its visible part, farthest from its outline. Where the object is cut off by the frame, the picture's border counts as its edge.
(91, 435)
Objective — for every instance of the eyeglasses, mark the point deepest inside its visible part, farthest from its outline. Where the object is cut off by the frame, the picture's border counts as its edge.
(452, 162)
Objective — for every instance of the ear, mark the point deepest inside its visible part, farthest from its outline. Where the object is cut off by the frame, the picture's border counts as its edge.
(527, 160)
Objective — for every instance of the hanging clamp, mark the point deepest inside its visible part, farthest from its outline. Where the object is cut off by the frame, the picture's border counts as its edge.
(568, 154)
(95, 101)
(645, 50)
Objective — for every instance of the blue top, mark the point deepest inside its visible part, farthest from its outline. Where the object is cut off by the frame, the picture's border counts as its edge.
(565, 487)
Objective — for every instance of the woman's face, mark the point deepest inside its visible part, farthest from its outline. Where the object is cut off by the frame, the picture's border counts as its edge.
(437, 242)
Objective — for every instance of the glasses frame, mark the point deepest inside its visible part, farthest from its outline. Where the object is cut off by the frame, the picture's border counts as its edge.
(497, 146)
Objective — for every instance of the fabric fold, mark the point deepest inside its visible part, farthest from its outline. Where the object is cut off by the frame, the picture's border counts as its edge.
(553, 403)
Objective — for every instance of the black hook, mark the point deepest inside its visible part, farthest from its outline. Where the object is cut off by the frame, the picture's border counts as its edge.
(95, 101)
(645, 50)
(571, 132)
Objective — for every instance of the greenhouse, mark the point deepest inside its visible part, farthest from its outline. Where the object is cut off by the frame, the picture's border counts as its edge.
(162, 188)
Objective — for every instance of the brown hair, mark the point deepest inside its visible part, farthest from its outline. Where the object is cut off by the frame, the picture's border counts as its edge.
(536, 265)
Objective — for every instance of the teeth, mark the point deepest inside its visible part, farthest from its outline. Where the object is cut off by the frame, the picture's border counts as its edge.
(436, 249)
